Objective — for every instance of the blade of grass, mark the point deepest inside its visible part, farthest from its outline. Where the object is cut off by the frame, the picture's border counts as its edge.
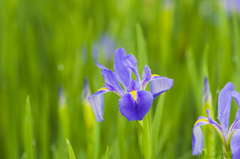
(28, 130)
(141, 49)
(107, 152)
(156, 124)
(146, 137)
(70, 150)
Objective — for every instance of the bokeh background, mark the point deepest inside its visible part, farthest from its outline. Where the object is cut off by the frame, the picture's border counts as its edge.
(48, 48)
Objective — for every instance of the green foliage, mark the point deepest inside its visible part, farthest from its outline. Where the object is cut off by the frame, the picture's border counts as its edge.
(45, 45)
(70, 150)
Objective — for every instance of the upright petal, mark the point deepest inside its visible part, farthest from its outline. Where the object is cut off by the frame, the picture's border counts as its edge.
(236, 96)
(159, 85)
(236, 123)
(197, 139)
(96, 102)
(111, 81)
(224, 105)
(216, 126)
(133, 86)
(135, 105)
(123, 73)
(131, 62)
(146, 76)
(235, 144)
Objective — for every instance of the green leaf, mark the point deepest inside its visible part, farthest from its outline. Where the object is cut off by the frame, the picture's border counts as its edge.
(157, 123)
(141, 49)
(28, 130)
(146, 137)
(121, 138)
(70, 150)
(107, 152)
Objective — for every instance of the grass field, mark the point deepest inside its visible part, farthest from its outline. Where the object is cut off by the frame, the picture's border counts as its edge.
(48, 48)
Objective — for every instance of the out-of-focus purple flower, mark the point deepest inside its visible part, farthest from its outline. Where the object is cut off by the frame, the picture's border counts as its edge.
(108, 45)
(61, 97)
(135, 102)
(88, 114)
(94, 54)
(229, 8)
(230, 137)
(206, 92)
(86, 90)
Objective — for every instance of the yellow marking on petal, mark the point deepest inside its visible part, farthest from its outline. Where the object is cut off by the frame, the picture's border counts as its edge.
(200, 120)
(134, 95)
(153, 75)
(103, 88)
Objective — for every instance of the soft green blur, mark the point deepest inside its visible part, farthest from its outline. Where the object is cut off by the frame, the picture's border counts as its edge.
(42, 45)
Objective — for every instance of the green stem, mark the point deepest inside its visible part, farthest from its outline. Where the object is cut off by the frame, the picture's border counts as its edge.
(144, 133)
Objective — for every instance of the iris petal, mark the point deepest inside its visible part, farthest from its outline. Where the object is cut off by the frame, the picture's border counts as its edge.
(236, 96)
(131, 62)
(135, 105)
(111, 81)
(146, 76)
(197, 139)
(224, 105)
(236, 123)
(159, 85)
(96, 102)
(235, 144)
(123, 73)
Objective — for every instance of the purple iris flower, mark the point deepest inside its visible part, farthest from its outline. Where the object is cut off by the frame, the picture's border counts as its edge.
(108, 44)
(229, 8)
(230, 137)
(134, 102)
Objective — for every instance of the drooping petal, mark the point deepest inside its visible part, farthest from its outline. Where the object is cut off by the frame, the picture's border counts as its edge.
(224, 105)
(235, 144)
(96, 102)
(123, 73)
(159, 85)
(131, 62)
(111, 81)
(146, 76)
(197, 139)
(135, 105)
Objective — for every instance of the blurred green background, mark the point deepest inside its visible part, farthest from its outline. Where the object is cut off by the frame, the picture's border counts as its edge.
(47, 48)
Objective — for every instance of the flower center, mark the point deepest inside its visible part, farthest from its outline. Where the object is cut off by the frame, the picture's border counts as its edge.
(200, 120)
(153, 75)
(134, 95)
(103, 88)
